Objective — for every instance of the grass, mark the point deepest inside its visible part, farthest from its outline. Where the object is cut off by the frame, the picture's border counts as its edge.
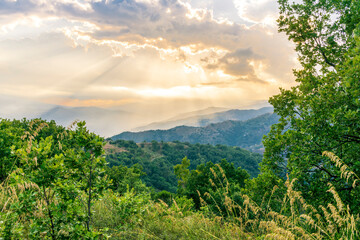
(135, 216)
(296, 220)
(160, 221)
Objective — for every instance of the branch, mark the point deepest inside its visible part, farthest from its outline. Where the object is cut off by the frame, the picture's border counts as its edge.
(50, 214)
(325, 170)
(346, 189)
(352, 138)
(319, 47)
(89, 197)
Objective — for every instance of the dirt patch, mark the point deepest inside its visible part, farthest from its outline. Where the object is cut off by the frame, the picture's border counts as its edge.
(109, 148)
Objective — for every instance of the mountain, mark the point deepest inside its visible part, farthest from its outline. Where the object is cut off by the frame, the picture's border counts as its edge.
(157, 159)
(100, 120)
(21, 107)
(206, 117)
(209, 110)
(104, 121)
(246, 134)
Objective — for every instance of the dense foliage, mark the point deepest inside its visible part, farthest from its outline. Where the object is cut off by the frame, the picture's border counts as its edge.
(158, 159)
(55, 191)
(206, 179)
(50, 180)
(322, 113)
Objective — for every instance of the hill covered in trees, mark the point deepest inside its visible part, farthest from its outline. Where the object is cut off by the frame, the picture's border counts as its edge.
(55, 183)
(157, 159)
(246, 134)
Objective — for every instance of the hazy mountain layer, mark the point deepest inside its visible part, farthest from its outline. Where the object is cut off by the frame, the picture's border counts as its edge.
(204, 118)
(246, 134)
(102, 121)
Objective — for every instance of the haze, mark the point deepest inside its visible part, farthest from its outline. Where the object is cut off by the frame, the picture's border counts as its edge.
(123, 64)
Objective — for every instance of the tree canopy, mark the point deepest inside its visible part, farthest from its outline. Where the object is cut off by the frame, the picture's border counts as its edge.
(321, 113)
(51, 178)
(159, 158)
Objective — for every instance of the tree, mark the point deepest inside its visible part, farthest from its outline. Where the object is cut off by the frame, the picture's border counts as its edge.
(124, 178)
(322, 30)
(213, 182)
(182, 173)
(322, 112)
(55, 179)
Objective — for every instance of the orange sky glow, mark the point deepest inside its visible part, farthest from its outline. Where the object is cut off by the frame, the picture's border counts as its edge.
(141, 55)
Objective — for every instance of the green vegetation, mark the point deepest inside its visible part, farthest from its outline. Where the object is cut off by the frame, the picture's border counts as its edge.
(50, 180)
(322, 113)
(158, 159)
(55, 191)
(203, 181)
(55, 183)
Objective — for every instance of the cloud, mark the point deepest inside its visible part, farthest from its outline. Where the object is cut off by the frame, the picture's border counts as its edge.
(175, 21)
(238, 63)
(142, 53)
(17, 6)
(258, 11)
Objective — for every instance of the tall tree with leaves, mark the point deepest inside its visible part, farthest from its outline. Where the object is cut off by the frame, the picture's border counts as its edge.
(53, 175)
(322, 113)
(213, 182)
(182, 173)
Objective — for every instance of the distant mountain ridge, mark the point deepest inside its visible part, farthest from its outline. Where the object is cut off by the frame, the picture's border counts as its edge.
(202, 118)
(100, 120)
(246, 134)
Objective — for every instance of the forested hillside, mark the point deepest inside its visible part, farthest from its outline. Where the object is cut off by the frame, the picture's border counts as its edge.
(159, 158)
(246, 134)
(69, 183)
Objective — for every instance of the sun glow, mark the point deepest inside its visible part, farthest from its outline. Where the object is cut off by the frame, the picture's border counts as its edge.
(152, 53)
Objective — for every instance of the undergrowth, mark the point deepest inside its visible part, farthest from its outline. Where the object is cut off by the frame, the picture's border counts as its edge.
(134, 215)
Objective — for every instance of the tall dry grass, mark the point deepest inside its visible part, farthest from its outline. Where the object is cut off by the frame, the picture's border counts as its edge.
(15, 224)
(135, 216)
(297, 219)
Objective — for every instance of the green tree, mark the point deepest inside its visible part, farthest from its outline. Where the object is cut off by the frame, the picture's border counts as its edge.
(123, 178)
(322, 112)
(10, 135)
(54, 181)
(182, 173)
(213, 181)
(159, 165)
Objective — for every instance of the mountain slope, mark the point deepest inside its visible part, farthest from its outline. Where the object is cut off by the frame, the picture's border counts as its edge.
(158, 159)
(202, 118)
(100, 120)
(246, 134)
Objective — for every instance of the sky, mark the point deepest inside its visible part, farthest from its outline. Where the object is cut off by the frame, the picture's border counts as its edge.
(156, 57)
